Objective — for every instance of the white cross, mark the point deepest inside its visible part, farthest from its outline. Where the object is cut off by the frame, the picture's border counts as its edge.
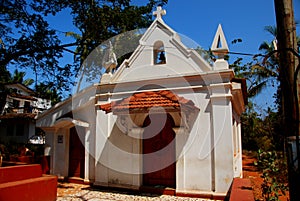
(159, 12)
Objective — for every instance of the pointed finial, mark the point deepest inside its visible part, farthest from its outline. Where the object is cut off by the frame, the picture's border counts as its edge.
(219, 48)
(219, 44)
(159, 12)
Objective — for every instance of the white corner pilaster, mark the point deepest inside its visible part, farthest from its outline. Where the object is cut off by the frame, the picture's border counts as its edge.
(222, 142)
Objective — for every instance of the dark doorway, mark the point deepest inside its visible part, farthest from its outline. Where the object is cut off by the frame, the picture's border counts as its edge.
(76, 155)
(159, 152)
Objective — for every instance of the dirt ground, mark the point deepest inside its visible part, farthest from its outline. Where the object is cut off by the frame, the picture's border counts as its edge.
(249, 171)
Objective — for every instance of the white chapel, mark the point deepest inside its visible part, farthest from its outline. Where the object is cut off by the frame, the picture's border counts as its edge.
(165, 118)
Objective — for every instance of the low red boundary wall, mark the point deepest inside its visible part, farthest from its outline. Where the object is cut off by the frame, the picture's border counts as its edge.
(26, 182)
(20, 172)
(241, 190)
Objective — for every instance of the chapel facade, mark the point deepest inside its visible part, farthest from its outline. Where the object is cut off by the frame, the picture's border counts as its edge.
(165, 118)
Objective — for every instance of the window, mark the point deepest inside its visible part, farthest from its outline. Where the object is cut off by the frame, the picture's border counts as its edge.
(9, 130)
(20, 130)
(159, 54)
(16, 103)
(27, 107)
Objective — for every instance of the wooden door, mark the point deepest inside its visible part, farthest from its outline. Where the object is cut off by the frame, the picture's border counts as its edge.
(158, 152)
(76, 155)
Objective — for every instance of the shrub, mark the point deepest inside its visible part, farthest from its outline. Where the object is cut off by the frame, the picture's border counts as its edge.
(274, 174)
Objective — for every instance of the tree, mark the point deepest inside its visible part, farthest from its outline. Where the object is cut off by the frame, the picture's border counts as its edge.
(27, 39)
(260, 131)
(18, 77)
(49, 92)
(289, 60)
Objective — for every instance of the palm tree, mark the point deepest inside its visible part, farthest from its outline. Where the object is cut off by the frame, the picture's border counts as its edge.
(266, 71)
(47, 91)
(18, 77)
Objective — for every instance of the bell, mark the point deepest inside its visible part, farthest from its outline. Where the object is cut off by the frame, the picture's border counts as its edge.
(162, 57)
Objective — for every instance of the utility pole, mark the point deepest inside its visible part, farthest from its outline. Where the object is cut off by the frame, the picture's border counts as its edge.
(288, 60)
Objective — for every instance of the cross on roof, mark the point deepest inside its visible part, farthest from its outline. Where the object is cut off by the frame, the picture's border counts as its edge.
(159, 12)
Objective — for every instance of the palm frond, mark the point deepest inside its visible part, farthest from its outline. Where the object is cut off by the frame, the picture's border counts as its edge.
(263, 71)
(266, 46)
(272, 30)
(256, 89)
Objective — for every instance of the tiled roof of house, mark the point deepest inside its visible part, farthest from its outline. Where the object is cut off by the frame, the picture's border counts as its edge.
(18, 116)
(146, 100)
(21, 96)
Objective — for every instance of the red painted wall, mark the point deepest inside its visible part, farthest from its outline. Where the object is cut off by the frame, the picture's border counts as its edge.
(26, 183)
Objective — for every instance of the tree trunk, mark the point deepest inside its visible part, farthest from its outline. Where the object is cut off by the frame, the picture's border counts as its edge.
(287, 48)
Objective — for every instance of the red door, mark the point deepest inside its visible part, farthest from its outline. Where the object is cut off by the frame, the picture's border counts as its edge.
(76, 155)
(159, 152)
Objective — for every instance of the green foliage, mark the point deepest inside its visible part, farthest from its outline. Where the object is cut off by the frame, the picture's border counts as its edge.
(48, 91)
(261, 132)
(274, 174)
(29, 42)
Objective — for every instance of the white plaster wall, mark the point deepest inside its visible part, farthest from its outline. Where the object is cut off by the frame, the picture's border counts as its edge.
(118, 155)
(61, 153)
(49, 146)
(178, 61)
(223, 144)
(101, 171)
(194, 167)
(85, 100)
(91, 149)
(239, 163)
(206, 161)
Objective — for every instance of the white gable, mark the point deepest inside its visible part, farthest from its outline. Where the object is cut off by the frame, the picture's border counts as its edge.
(142, 65)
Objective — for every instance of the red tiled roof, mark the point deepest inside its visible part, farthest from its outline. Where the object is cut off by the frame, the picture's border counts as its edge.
(18, 116)
(145, 100)
(21, 96)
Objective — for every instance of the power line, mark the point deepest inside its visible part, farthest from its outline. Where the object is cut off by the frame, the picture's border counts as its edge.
(235, 53)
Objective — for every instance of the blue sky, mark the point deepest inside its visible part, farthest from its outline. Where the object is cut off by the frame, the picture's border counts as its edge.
(240, 19)
(198, 20)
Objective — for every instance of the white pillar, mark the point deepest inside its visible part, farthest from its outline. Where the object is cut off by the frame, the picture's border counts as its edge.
(222, 142)
(102, 132)
(86, 155)
(49, 143)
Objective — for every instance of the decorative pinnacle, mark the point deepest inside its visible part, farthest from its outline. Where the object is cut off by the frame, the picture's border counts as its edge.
(219, 46)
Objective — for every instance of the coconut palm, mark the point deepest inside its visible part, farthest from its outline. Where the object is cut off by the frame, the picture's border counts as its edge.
(18, 77)
(266, 71)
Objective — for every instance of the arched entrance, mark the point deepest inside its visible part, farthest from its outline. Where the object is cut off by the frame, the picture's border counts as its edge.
(159, 152)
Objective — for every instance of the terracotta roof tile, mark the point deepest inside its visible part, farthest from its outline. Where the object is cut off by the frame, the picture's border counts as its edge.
(21, 96)
(18, 116)
(147, 100)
